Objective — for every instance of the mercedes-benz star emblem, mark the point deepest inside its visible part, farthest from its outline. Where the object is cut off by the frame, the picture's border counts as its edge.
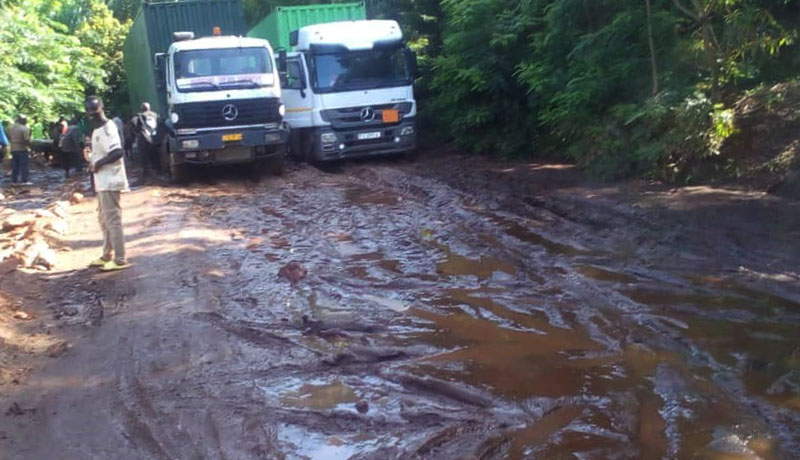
(367, 114)
(230, 112)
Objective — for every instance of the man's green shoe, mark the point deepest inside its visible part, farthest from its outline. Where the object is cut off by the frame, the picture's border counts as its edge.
(99, 262)
(113, 265)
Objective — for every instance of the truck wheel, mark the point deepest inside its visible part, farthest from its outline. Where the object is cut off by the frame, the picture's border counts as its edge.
(274, 164)
(411, 155)
(164, 159)
(178, 172)
(301, 145)
(307, 139)
(296, 146)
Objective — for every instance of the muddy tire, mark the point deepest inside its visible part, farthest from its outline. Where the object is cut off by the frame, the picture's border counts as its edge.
(273, 165)
(179, 173)
(301, 145)
(296, 147)
(163, 159)
(411, 155)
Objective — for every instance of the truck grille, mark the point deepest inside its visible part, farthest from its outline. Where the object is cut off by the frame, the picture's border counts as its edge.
(228, 113)
(349, 118)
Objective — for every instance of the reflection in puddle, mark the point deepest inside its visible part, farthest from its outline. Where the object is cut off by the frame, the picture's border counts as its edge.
(484, 268)
(514, 363)
(523, 234)
(326, 396)
(524, 441)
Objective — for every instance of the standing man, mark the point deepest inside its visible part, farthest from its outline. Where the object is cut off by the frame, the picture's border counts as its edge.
(20, 139)
(144, 124)
(57, 132)
(107, 165)
(71, 146)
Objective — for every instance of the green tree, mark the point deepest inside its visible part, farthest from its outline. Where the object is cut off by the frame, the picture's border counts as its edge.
(48, 70)
(104, 35)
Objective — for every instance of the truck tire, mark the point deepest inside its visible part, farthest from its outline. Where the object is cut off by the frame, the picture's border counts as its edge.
(301, 145)
(273, 165)
(296, 147)
(178, 172)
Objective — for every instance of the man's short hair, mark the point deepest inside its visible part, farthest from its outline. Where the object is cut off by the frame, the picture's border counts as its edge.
(145, 107)
(93, 104)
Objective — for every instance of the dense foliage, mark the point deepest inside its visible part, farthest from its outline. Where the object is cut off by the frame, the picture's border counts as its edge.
(624, 86)
(54, 53)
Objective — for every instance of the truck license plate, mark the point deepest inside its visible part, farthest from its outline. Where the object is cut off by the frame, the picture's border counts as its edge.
(365, 136)
(231, 137)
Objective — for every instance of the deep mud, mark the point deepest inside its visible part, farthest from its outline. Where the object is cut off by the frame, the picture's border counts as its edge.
(452, 308)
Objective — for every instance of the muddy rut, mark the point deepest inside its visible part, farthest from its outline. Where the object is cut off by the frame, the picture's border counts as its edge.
(440, 312)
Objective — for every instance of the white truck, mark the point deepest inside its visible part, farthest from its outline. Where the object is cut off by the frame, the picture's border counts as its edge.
(348, 91)
(219, 96)
(223, 103)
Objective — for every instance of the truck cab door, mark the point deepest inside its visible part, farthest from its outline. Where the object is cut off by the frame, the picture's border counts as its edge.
(297, 95)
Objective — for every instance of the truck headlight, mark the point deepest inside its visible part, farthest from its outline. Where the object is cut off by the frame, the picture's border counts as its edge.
(327, 138)
(407, 130)
(273, 138)
(174, 118)
(190, 144)
(282, 110)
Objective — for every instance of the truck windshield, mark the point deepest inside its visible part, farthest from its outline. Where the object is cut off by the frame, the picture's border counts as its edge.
(354, 70)
(222, 69)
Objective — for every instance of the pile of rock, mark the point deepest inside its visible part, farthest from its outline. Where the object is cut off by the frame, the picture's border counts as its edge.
(26, 236)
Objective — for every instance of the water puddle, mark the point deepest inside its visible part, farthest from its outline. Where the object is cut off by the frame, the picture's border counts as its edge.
(392, 304)
(484, 268)
(317, 446)
(513, 363)
(363, 196)
(601, 274)
(524, 442)
(321, 397)
(529, 236)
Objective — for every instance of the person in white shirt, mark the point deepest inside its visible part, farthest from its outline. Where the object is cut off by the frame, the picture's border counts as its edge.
(108, 168)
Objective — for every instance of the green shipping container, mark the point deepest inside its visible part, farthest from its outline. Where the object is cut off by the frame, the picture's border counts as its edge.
(152, 31)
(277, 26)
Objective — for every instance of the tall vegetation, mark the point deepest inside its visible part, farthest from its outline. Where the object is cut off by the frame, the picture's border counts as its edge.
(623, 86)
(54, 53)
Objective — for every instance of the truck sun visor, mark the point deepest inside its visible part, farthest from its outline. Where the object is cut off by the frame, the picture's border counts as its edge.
(390, 44)
(183, 36)
(326, 48)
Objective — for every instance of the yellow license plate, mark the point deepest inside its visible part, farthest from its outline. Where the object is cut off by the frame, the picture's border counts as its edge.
(231, 137)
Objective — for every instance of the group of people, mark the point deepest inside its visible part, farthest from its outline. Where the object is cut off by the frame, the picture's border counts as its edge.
(104, 151)
(18, 141)
(69, 142)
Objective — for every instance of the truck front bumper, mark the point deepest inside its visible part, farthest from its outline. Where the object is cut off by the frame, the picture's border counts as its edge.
(372, 141)
(227, 146)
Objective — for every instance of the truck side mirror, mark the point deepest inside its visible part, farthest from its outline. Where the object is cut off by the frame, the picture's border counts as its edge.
(159, 60)
(282, 61)
(413, 66)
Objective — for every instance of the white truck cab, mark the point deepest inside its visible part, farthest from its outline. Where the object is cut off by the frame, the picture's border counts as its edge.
(348, 91)
(223, 101)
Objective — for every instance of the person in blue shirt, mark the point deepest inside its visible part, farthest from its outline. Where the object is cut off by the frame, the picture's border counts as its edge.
(3, 146)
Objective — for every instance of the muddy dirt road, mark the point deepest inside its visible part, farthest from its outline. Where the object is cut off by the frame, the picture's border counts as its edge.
(451, 309)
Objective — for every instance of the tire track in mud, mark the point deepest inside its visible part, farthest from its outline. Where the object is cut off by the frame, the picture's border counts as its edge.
(435, 321)
(359, 230)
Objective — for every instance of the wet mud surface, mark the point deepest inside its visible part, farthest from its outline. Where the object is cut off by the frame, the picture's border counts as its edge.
(447, 308)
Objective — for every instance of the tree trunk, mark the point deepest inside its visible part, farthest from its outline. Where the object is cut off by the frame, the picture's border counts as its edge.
(653, 64)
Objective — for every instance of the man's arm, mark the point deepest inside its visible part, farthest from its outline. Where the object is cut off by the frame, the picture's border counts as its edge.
(113, 156)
